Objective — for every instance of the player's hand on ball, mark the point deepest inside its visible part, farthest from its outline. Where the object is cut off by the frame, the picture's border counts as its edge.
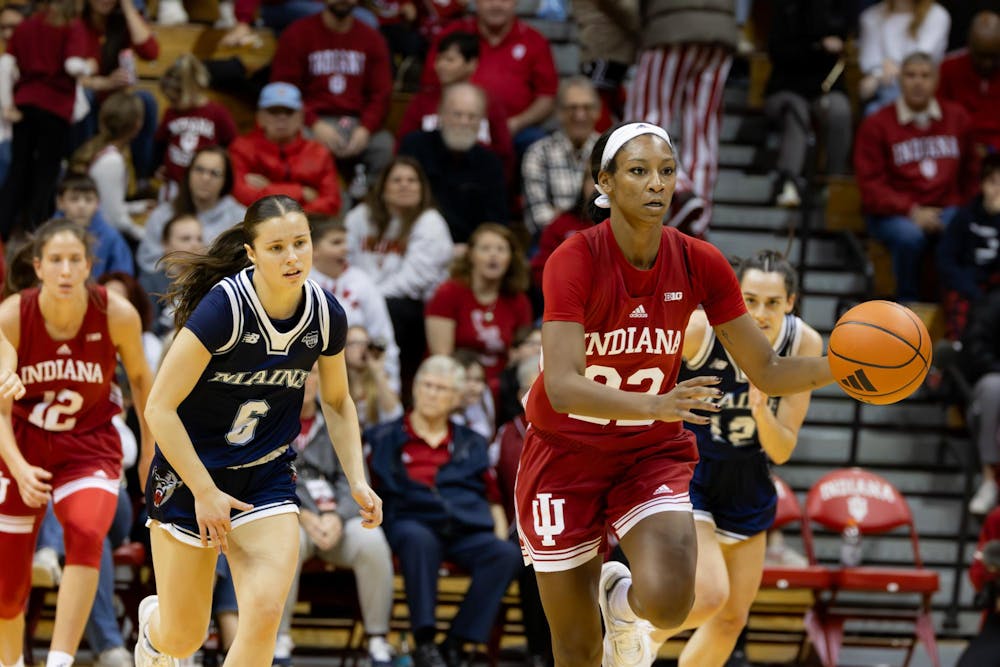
(212, 510)
(698, 393)
(371, 505)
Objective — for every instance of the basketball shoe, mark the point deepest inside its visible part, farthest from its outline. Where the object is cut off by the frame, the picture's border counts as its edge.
(145, 654)
(626, 643)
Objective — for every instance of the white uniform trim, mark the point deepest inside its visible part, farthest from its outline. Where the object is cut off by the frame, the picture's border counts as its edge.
(723, 536)
(112, 486)
(193, 539)
(234, 303)
(277, 342)
(16, 525)
(676, 503)
(559, 560)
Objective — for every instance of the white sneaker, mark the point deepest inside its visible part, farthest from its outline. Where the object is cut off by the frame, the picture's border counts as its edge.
(981, 503)
(380, 652)
(283, 645)
(115, 657)
(45, 569)
(145, 654)
(789, 196)
(626, 643)
(171, 12)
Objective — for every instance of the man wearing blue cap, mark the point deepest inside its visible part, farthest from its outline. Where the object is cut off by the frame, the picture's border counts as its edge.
(276, 159)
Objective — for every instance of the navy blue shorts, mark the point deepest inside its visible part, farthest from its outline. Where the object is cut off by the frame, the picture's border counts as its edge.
(737, 495)
(269, 487)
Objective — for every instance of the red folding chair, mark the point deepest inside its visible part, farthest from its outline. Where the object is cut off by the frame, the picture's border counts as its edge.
(814, 577)
(876, 507)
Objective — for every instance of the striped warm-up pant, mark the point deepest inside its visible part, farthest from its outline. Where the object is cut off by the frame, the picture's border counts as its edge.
(685, 81)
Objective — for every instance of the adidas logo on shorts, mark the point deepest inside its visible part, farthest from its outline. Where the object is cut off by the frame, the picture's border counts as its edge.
(639, 312)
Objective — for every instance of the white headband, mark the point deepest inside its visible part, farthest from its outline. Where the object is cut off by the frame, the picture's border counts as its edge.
(619, 138)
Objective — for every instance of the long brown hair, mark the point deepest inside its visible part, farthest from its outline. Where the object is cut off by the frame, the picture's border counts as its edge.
(21, 269)
(920, 11)
(379, 212)
(196, 273)
(190, 77)
(515, 279)
(115, 34)
(119, 116)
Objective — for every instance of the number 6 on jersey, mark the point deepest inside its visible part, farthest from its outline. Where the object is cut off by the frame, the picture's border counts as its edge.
(248, 416)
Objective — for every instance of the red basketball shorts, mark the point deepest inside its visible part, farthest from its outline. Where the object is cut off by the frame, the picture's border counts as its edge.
(569, 494)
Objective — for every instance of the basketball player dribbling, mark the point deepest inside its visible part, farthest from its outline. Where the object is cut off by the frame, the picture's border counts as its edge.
(732, 491)
(224, 408)
(606, 446)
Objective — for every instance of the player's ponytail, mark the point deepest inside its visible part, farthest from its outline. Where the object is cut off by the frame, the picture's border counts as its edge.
(21, 267)
(196, 274)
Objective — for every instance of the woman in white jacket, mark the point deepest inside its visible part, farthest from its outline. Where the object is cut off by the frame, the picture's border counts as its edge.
(399, 239)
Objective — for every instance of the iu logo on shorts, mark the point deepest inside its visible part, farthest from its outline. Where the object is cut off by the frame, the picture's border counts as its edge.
(548, 513)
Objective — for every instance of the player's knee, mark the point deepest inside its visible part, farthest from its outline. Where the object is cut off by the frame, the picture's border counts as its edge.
(668, 604)
(262, 612)
(712, 599)
(84, 543)
(731, 622)
(179, 644)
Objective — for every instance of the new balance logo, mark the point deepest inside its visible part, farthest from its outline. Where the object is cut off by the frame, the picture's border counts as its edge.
(251, 337)
(718, 364)
(64, 349)
(858, 381)
(662, 489)
(639, 312)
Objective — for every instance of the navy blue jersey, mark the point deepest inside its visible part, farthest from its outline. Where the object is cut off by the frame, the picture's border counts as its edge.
(247, 402)
(732, 433)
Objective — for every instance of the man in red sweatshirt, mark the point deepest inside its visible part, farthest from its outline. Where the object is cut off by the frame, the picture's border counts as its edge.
(342, 68)
(984, 649)
(971, 79)
(912, 167)
(276, 159)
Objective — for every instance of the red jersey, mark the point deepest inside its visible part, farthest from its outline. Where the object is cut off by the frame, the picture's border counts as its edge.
(186, 132)
(339, 74)
(634, 323)
(41, 50)
(515, 71)
(91, 41)
(67, 382)
(960, 83)
(898, 166)
(488, 329)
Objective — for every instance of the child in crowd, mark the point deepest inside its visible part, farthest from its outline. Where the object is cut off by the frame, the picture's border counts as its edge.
(182, 233)
(77, 199)
(190, 123)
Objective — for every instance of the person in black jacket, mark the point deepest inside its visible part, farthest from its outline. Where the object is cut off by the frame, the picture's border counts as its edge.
(806, 44)
(467, 179)
(442, 503)
(981, 360)
(968, 255)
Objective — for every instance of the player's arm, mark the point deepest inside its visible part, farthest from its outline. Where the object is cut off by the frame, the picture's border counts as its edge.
(342, 423)
(32, 481)
(694, 334)
(778, 432)
(768, 371)
(181, 369)
(570, 391)
(126, 333)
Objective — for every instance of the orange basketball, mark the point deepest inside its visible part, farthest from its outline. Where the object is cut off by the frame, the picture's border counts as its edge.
(879, 352)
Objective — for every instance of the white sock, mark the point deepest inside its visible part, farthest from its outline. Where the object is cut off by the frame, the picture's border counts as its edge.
(618, 602)
(59, 659)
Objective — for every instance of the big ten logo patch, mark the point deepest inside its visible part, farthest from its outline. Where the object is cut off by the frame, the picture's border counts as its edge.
(548, 514)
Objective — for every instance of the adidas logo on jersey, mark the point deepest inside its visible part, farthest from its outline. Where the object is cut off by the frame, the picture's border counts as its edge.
(662, 489)
(251, 337)
(639, 312)
(64, 349)
(859, 381)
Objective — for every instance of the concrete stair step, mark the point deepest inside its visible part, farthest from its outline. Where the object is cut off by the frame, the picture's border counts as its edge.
(819, 311)
(745, 128)
(737, 187)
(772, 218)
(841, 283)
(910, 482)
(567, 57)
(554, 31)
